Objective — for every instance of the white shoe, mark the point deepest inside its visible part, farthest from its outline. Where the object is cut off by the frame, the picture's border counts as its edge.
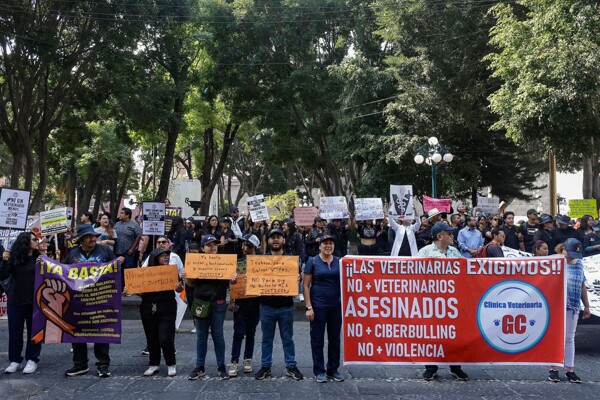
(193, 330)
(301, 297)
(30, 367)
(13, 367)
(172, 370)
(233, 369)
(153, 369)
(248, 365)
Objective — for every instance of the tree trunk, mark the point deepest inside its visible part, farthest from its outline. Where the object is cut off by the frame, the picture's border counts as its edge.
(173, 134)
(122, 188)
(37, 203)
(98, 197)
(89, 188)
(588, 174)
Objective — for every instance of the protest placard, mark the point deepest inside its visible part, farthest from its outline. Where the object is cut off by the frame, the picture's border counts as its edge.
(580, 207)
(151, 279)
(401, 205)
(54, 221)
(305, 216)
(14, 204)
(258, 208)
(368, 209)
(453, 311)
(170, 214)
(488, 205)
(210, 266)
(272, 275)
(77, 303)
(153, 218)
(238, 289)
(333, 207)
(444, 205)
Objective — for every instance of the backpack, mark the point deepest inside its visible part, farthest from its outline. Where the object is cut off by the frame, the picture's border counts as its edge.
(482, 251)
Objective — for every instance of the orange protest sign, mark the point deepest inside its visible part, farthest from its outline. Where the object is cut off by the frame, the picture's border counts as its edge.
(210, 266)
(238, 289)
(272, 275)
(151, 279)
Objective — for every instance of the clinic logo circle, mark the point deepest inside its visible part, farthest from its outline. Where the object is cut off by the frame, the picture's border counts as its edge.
(513, 316)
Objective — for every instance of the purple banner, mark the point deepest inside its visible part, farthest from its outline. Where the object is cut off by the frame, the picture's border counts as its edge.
(170, 214)
(77, 303)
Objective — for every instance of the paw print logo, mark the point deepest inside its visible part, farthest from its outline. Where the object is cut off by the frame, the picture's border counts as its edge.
(497, 322)
(532, 322)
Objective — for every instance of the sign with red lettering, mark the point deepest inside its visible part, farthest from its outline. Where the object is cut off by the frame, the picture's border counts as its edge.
(405, 310)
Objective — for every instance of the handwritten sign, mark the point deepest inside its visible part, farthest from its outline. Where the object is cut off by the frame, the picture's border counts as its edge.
(14, 205)
(488, 205)
(580, 207)
(151, 279)
(210, 266)
(333, 207)
(238, 289)
(153, 217)
(441, 204)
(258, 208)
(368, 209)
(305, 216)
(272, 275)
(54, 221)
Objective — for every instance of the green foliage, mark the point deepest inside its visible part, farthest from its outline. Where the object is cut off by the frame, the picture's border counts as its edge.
(281, 206)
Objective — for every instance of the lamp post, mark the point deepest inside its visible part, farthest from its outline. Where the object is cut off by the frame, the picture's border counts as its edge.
(433, 153)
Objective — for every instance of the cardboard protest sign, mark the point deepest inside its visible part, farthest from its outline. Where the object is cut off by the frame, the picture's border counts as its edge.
(401, 201)
(210, 266)
(14, 204)
(170, 214)
(333, 207)
(444, 205)
(580, 207)
(153, 218)
(488, 205)
(151, 279)
(238, 290)
(305, 216)
(54, 221)
(77, 303)
(258, 208)
(450, 311)
(272, 275)
(368, 209)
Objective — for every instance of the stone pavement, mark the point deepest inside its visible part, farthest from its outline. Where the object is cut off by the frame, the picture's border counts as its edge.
(364, 382)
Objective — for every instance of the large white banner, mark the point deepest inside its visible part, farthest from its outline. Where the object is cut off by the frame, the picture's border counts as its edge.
(258, 208)
(591, 266)
(333, 207)
(153, 218)
(368, 209)
(401, 201)
(14, 204)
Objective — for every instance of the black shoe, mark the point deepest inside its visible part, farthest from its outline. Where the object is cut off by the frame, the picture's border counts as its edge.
(263, 373)
(145, 352)
(197, 373)
(573, 377)
(103, 371)
(222, 373)
(295, 373)
(76, 371)
(429, 374)
(553, 376)
(459, 374)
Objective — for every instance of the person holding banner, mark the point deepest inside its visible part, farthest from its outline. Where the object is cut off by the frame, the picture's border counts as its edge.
(441, 247)
(576, 293)
(324, 310)
(405, 242)
(19, 265)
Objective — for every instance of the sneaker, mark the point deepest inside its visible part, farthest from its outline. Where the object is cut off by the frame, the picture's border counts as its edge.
(336, 376)
(233, 369)
(76, 370)
(198, 372)
(30, 367)
(573, 377)
(553, 376)
(429, 374)
(145, 352)
(222, 373)
(248, 365)
(172, 370)
(263, 373)
(321, 378)
(193, 330)
(103, 371)
(295, 373)
(459, 374)
(12, 367)
(153, 369)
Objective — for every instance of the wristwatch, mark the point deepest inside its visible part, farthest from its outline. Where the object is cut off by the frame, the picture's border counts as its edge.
(308, 308)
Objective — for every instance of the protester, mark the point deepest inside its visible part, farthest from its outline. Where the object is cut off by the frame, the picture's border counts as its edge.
(339, 232)
(295, 247)
(545, 232)
(565, 230)
(592, 241)
(228, 239)
(494, 248)
(86, 218)
(245, 315)
(576, 293)
(19, 265)
(512, 236)
(129, 234)
(585, 226)
(314, 236)
(213, 229)
(259, 230)
(108, 235)
(494, 222)
(213, 292)
(540, 248)
(367, 233)
(405, 241)
(237, 225)
(469, 238)
(529, 228)
(441, 247)
(383, 243)
(324, 310)
(44, 249)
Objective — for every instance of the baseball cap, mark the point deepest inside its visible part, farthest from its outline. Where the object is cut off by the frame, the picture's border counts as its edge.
(318, 219)
(252, 239)
(440, 227)
(275, 232)
(233, 209)
(208, 239)
(327, 237)
(573, 248)
(532, 211)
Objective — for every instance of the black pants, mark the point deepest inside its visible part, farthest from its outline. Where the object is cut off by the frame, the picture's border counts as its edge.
(434, 368)
(80, 358)
(158, 320)
(367, 250)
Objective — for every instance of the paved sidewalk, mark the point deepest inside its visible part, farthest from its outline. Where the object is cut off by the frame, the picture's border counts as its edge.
(364, 382)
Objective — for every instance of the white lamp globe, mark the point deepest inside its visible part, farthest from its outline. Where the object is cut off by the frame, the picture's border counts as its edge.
(448, 157)
(419, 159)
(433, 141)
(437, 157)
(428, 161)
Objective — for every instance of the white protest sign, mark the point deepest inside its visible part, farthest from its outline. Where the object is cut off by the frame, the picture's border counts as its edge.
(368, 209)
(258, 208)
(401, 205)
(153, 218)
(54, 221)
(333, 207)
(488, 205)
(14, 204)
(591, 266)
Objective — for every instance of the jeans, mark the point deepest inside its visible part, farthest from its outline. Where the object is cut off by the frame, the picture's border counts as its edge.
(159, 327)
(244, 325)
(18, 317)
(80, 358)
(269, 317)
(570, 328)
(329, 319)
(215, 321)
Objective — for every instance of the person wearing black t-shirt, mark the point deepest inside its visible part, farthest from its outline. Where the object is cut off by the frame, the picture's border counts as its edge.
(513, 237)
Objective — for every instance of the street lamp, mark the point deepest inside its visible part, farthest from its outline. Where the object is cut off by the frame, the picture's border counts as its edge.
(432, 154)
